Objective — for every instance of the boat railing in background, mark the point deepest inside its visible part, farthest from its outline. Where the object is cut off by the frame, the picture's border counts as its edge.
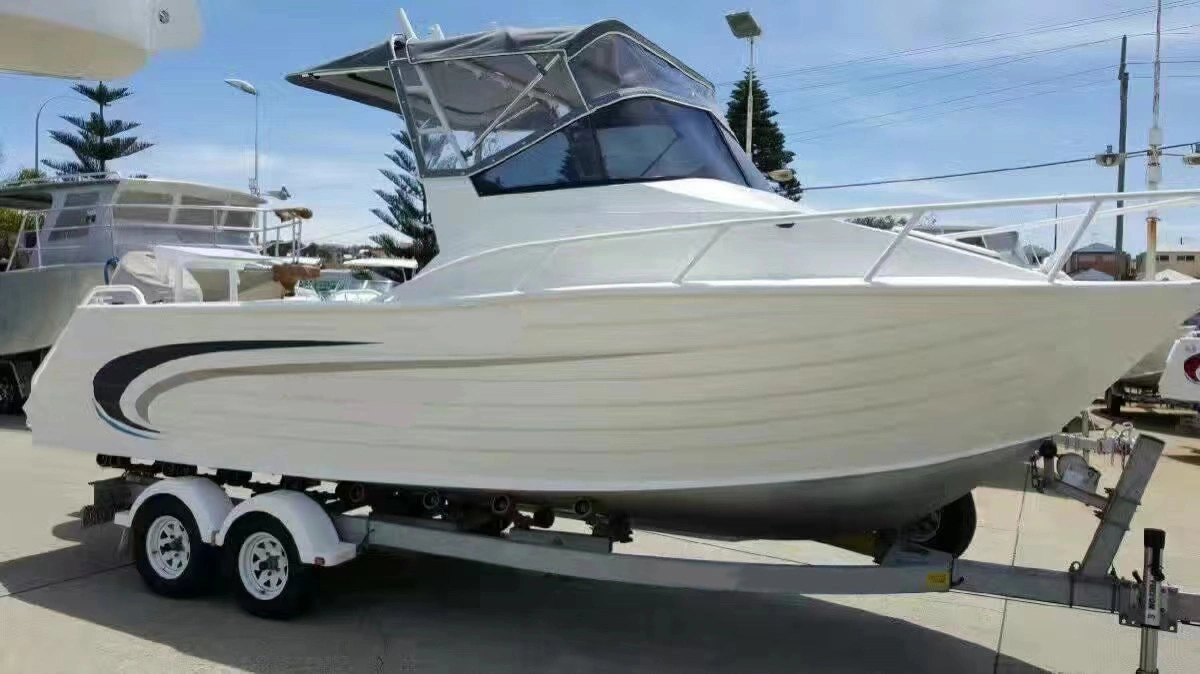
(36, 243)
(65, 179)
(1153, 200)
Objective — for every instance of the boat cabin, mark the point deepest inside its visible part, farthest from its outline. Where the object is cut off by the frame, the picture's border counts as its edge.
(539, 112)
(590, 156)
(94, 218)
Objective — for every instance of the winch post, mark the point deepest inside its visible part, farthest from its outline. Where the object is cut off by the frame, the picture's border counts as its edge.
(1122, 504)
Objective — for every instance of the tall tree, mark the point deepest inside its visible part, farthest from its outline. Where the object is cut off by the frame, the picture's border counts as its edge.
(767, 148)
(405, 210)
(888, 222)
(96, 140)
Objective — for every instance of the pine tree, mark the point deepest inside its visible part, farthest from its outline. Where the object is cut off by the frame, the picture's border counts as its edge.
(767, 147)
(96, 140)
(405, 211)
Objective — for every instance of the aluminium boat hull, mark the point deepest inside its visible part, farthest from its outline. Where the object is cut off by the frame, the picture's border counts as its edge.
(36, 304)
(787, 410)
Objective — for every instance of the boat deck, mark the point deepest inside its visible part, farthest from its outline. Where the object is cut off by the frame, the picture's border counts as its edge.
(60, 584)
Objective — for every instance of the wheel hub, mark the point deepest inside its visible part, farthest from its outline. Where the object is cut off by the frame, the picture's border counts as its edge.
(168, 548)
(263, 566)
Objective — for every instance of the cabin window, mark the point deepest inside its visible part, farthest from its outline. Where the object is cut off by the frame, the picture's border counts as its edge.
(207, 216)
(487, 104)
(614, 64)
(635, 140)
(143, 206)
(76, 218)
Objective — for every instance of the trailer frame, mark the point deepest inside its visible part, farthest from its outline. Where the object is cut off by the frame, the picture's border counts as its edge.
(319, 536)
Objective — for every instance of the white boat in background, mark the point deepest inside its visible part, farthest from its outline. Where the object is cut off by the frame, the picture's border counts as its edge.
(625, 320)
(90, 39)
(82, 231)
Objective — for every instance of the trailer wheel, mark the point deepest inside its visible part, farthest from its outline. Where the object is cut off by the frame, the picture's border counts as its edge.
(269, 579)
(10, 392)
(949, 530)
(168, 552)
(1113, 402)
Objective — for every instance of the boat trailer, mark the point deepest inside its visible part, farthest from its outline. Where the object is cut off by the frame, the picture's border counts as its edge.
(312, 536)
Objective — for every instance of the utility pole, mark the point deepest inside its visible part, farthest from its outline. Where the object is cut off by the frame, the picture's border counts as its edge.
(1153, 166)
(1123, 78)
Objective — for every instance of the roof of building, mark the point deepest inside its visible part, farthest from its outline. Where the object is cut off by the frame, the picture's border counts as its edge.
(1091, 275)
(1096, 247)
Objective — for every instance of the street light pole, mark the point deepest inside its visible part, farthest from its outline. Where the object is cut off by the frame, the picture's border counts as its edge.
(744, 27)
(750, 100)
(244, 86)
(37, 128)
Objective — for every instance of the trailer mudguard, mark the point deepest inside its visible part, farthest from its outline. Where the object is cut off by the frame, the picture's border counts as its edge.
(311, 528)
(207, 501)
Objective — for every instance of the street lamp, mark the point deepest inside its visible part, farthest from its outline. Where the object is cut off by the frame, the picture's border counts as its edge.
(744, 27)
(37, 128)
(243, 85)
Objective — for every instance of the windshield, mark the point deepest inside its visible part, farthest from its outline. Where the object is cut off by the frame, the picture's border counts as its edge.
(469, 113)
(634, 140)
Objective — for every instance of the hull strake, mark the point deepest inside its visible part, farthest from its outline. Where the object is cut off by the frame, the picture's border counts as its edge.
(664, 393)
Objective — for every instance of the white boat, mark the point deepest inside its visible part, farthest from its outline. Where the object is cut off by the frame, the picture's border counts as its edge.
(81, 231)
(624, 317)
(87, 39)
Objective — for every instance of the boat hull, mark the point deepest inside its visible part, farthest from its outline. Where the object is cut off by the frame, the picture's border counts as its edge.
(38, 303)
(768, 410)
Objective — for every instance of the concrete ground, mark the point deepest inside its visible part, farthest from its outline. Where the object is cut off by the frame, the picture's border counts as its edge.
(68, 603)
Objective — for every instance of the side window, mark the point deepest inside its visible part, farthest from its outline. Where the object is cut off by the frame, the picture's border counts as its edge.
(75, 218)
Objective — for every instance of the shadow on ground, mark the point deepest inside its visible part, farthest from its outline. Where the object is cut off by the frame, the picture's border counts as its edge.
(426, 614)
(1186, 454)
(13, 422)
(1151, 421)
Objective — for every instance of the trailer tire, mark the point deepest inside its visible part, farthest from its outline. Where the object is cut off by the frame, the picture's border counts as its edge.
(956, 527)
(264, 565)
(10, 391)
(168, 551)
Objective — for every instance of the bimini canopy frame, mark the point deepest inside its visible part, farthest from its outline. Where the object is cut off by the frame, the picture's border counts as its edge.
(470, 101)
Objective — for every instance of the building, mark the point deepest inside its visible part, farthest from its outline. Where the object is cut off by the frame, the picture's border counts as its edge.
(1099, 256)
(1180, 259)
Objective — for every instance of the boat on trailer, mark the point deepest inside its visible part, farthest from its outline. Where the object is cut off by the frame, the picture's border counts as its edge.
(625, 322)
(85, 230)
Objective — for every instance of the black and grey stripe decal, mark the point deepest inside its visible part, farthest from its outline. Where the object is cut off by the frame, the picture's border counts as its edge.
(116, 375)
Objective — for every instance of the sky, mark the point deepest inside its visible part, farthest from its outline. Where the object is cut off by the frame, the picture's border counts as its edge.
(932, 87)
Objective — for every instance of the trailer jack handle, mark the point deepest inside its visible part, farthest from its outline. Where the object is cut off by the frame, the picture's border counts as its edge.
(1151, 599)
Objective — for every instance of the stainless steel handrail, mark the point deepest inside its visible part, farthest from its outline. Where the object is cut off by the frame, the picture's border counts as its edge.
(1157, 199)
(113, 225)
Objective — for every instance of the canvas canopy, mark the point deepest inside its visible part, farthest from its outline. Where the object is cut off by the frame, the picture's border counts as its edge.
(473, 99)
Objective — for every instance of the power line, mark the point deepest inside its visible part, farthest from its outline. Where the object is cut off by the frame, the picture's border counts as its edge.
(1007, 169)
(985, 104)
(1009, 60)
(949, 100)
(995, 37)
(1004, 60)
(1015, 57)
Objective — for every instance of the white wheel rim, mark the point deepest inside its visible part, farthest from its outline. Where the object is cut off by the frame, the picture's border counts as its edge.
(167, 547)
(263, 566)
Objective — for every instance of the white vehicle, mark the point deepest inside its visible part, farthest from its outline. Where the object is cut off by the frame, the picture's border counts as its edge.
(82, 231)
(625, 322)
(1180, 380)
(86, 39)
